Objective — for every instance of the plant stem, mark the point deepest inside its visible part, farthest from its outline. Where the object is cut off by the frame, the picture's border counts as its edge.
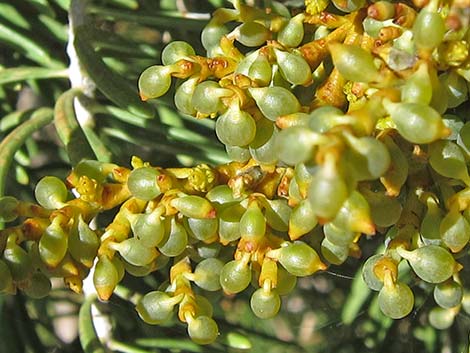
(16, 139)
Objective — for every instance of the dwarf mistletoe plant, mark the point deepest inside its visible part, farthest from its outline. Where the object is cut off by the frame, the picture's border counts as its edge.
(342, 148)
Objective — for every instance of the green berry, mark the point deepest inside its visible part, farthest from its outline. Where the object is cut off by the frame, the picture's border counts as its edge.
(265, 304)
(51, 192)
(396, 300)
(431, 263)
(300, 259)
(142, 183)
(235, 276)
(203, 330)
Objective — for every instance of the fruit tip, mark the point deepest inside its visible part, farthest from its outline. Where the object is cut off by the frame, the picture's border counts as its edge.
(293, 235)
(446, 132)
(104, 295)
(143, 97)
(322, 266)
(369, 228)
(212, 213)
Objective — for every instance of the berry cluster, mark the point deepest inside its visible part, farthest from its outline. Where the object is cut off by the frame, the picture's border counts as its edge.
(216, 237)
(340, 126)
